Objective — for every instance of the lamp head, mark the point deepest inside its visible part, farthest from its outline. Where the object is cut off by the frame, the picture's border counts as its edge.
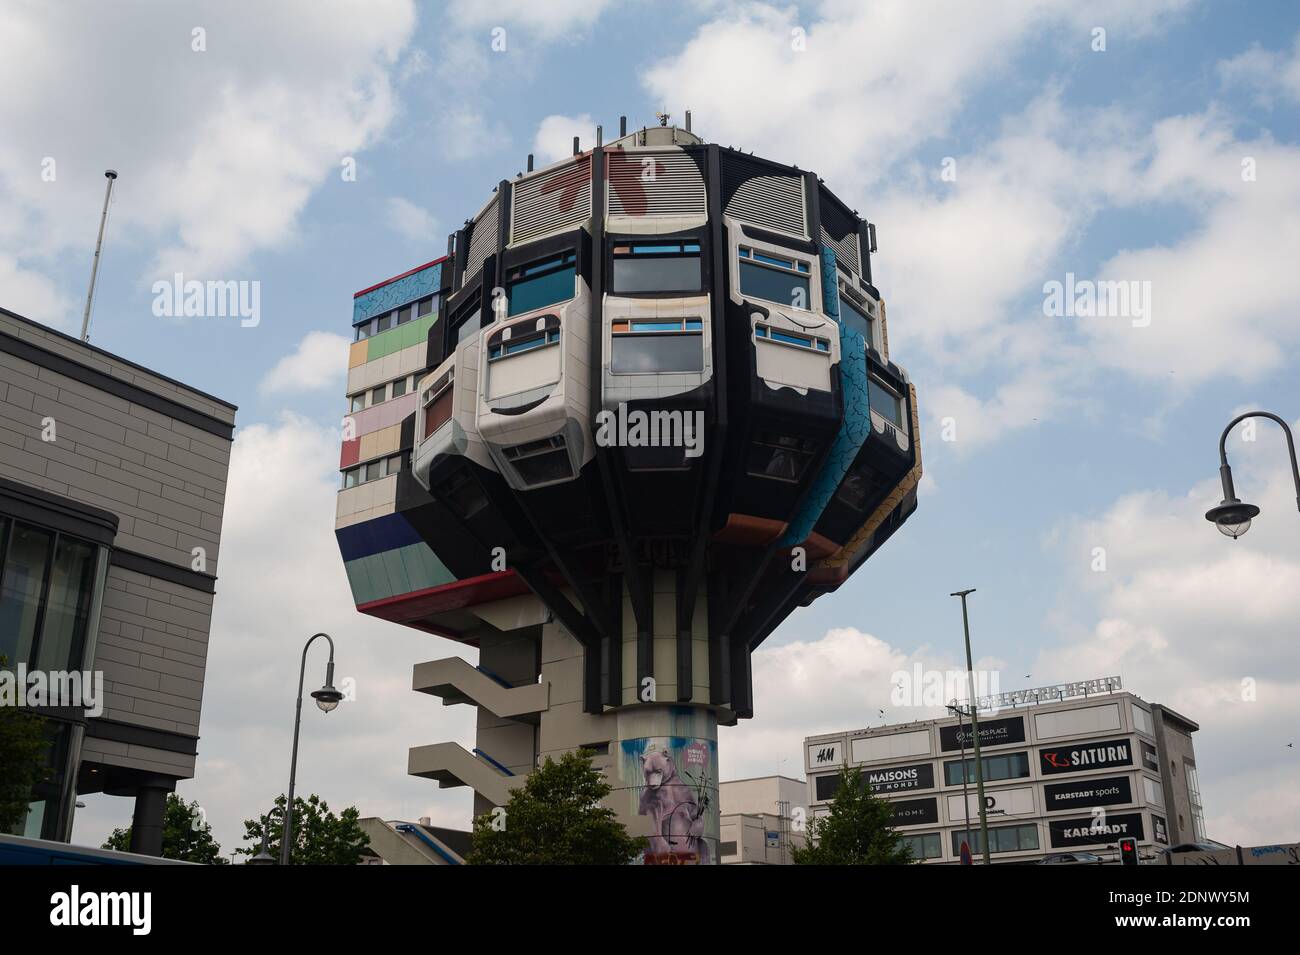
(1232, 517)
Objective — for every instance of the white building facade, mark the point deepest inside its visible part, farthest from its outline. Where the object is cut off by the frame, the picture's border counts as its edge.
(1071, 775)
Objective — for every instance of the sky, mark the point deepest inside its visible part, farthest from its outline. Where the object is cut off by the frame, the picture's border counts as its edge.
(998, 148)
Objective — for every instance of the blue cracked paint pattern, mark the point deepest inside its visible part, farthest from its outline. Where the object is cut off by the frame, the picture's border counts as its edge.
(396, 294)
(855, 427)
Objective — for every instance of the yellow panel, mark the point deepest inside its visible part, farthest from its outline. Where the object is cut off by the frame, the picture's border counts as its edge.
(359, 351)
(384, 441)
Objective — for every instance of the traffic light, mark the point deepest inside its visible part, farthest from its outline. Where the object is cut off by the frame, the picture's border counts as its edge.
(1128, 852)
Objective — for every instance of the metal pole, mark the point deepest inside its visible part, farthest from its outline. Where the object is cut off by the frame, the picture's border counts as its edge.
(110, 175)
(286, 837)
(1225, 473)
(975, 725)
(962, 740)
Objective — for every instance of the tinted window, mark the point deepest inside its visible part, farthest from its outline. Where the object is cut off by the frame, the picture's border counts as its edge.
(657, 267)
(646, 354)
(1008, 766)
(884, 402)
(778, 456)
(541, 283)
(856, 319)
(21, 586)
(67, 608)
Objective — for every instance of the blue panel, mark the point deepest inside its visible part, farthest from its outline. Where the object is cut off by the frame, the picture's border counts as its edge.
(373, 537)
(855, 427)
(396, 294)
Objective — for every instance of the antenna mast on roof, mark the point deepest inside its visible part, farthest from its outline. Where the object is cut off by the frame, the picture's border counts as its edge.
(110, 175)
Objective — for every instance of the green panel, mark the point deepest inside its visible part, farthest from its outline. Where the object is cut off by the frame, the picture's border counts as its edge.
(363, 588)
(403, 336)
(399, 581)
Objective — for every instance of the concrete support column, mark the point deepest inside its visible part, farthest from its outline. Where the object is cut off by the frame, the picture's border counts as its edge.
(147, 822)
(665, 769)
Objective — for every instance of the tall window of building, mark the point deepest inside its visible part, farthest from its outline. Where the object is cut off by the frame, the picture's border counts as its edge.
(543, 283)
(855, 316)
(775, 278)
(884, 401)
(467, 320)
(1194, 796)
(67, 605)
(22, 588)
(47, 587)
(656, 267)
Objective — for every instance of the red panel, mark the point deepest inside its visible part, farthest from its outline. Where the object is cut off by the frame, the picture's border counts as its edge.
(456, 595)
(350, 454)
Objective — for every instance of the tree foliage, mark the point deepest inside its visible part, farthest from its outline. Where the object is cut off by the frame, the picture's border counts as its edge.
(187, 837)
(319, 836)
(857, 831)
(23, 746)
(556, 818)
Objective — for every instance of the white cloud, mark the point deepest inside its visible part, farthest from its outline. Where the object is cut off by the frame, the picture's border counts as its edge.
(34, 296)
(465, 134)
(551, 20)
(1186, 616)
(319, 361)
(554, 139)
(218, 151)
(1269, 73)
(857, 95)
(409, 220)
(840, 681)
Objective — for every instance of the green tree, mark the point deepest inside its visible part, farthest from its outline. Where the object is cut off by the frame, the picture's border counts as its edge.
(186, 837)
(856, 832)
(556, 818)
(319, 836)
(23, 748)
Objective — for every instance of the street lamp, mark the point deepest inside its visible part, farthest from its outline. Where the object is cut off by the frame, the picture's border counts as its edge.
(974, 726)
(264, 856)
(1232, 517)
(959, 713)
(327, 697)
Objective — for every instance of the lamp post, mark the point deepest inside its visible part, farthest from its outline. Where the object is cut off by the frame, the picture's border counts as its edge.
(957, 710)
(327, 697)
(974, 725)
(1232, 517)
(264, 856)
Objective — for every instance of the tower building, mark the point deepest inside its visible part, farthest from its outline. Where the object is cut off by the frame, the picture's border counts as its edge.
(641, 411)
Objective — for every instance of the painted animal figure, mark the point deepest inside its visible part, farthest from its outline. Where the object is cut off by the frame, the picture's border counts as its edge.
(677, 817)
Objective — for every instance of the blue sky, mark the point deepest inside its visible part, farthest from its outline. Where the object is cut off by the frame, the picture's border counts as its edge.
(1071, 433)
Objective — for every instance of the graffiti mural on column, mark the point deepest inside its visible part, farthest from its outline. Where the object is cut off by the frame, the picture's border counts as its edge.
(673, 780)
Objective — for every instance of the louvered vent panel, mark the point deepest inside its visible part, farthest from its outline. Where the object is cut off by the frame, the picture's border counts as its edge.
(767, 201)
(840, 232)
(551, 202)
(655, 184)
(482, 241)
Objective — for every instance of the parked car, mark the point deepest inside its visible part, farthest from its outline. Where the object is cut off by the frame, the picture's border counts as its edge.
(1208, 845)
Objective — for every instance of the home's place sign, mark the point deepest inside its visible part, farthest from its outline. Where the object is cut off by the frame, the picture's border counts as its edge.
(1048, 694)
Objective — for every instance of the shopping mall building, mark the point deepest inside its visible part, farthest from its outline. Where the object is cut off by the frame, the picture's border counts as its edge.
(1071, 767)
